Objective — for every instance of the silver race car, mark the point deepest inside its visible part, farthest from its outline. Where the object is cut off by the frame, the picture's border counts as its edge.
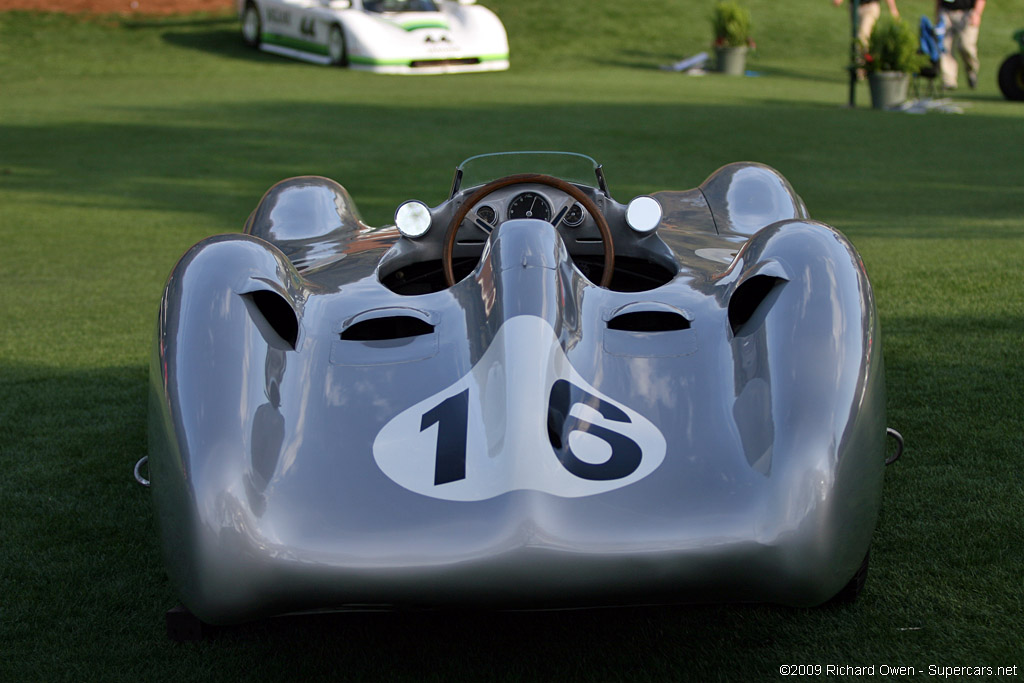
(386, 36)
(527, 396)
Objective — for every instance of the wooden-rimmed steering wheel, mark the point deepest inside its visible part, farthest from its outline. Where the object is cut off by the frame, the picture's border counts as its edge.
(539, 179)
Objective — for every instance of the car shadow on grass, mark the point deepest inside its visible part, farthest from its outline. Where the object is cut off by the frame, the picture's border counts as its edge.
(624, 643)
(223, 42)
(179, 22)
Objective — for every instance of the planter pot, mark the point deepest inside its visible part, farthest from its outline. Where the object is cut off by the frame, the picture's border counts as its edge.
(888, 88)
(731, 60)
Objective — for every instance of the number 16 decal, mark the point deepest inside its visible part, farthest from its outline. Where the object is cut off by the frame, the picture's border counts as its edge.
(521, 419)
(450, 416)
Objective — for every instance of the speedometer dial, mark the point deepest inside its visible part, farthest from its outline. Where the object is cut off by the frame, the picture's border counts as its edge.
(530, 205)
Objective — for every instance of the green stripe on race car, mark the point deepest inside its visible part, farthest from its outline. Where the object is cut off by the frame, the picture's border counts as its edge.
(294, 43)
(376, 62)
(424, 23)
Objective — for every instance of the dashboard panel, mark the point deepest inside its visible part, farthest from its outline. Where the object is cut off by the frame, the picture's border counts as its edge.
(530, 201)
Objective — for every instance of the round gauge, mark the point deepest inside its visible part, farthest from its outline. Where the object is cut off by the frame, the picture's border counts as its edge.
(486, 214)
(530, 205)
(575, 216)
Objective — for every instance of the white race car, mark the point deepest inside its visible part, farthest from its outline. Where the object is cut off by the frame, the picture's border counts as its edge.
(386, 36)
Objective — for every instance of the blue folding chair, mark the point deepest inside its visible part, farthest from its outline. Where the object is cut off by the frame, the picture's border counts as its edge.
(931, 38)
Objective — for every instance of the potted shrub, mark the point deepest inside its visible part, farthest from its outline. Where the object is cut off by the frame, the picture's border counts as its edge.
(891, 57)
(731, 26)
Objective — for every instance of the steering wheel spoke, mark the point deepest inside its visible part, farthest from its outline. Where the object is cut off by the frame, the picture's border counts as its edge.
(563, 211)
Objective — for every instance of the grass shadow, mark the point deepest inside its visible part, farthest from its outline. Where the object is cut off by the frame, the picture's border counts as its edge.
(225, 42)
(203, 158)
(183, 21)
(814, 76)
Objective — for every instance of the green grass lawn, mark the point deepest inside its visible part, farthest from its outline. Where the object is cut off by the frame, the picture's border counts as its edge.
(124, 142)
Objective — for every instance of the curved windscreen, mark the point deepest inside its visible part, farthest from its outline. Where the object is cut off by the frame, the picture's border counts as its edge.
(483, 168)
(399, 6)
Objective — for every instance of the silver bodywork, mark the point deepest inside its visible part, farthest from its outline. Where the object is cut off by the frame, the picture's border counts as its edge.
(325, 433)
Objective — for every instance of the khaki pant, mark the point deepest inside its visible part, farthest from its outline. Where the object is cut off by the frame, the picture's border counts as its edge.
(961, 39)
(867, 16)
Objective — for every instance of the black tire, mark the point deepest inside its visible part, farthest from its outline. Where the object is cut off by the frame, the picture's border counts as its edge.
(337, 50)
(252, 26)
(183, 626)
(1011, 77)
(850, 592)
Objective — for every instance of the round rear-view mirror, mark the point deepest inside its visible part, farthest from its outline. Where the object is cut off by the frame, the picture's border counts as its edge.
(413, 219)
(643, 214)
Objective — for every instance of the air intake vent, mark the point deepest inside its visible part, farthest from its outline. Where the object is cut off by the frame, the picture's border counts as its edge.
(417, 63)
(649, 321)
(751, 301)
(387, 327)
(274, 317)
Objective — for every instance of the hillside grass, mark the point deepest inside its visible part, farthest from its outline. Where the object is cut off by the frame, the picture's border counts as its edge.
(124, 141)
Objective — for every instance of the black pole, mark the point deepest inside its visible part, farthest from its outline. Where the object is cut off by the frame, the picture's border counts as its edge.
(853, 52)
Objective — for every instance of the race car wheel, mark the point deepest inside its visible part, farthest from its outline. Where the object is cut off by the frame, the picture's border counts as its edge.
(337, 51)
(1011, 77)
(852, 590)
(539, 179)
(252, 26)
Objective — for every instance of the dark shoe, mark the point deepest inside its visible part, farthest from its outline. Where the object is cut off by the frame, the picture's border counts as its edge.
(972, 80)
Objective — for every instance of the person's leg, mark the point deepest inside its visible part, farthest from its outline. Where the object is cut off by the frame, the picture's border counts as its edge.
(867, 16)
(948, 68)
(969, 51)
